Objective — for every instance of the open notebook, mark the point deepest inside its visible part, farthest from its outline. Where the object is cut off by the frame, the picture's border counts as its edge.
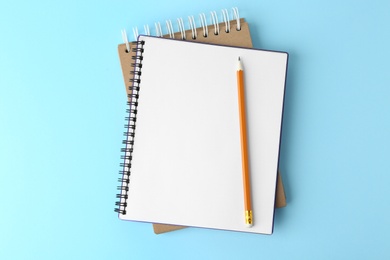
(187, 126)
(238, 35)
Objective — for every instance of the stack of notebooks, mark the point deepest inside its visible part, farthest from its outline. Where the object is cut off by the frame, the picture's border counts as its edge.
(182, 160)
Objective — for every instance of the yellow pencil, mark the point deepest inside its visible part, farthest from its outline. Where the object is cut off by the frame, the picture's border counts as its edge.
(244, 146)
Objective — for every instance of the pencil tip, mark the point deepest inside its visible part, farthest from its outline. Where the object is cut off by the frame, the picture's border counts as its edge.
(238, 57)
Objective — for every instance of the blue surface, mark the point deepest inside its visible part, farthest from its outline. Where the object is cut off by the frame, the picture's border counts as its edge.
(62, 104)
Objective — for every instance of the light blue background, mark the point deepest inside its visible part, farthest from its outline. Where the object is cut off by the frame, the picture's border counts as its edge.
(62, 109)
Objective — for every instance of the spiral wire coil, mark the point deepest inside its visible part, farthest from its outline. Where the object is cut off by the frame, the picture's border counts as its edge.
(192, 26)
(129, 134)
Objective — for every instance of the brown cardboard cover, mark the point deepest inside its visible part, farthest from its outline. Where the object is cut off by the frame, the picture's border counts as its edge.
(234, 37)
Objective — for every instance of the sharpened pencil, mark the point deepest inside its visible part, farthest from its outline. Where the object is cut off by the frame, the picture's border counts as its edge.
(244, 145)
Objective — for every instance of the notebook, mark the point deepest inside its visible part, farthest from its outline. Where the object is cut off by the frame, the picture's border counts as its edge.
(234, 37)
(187, 126)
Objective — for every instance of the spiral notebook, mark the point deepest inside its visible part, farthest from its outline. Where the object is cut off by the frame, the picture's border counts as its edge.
(187, 125)
(237, 38)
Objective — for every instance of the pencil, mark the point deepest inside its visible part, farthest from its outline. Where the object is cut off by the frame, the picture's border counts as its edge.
(244, 146)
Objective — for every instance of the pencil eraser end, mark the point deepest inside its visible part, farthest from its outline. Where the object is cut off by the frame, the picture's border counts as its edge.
(248, 218)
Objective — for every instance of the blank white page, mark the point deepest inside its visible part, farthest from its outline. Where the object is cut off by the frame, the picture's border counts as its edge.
(186, 164)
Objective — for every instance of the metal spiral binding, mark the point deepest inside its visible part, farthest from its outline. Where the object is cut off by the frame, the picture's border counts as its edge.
(129, 134)
(192, 26)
